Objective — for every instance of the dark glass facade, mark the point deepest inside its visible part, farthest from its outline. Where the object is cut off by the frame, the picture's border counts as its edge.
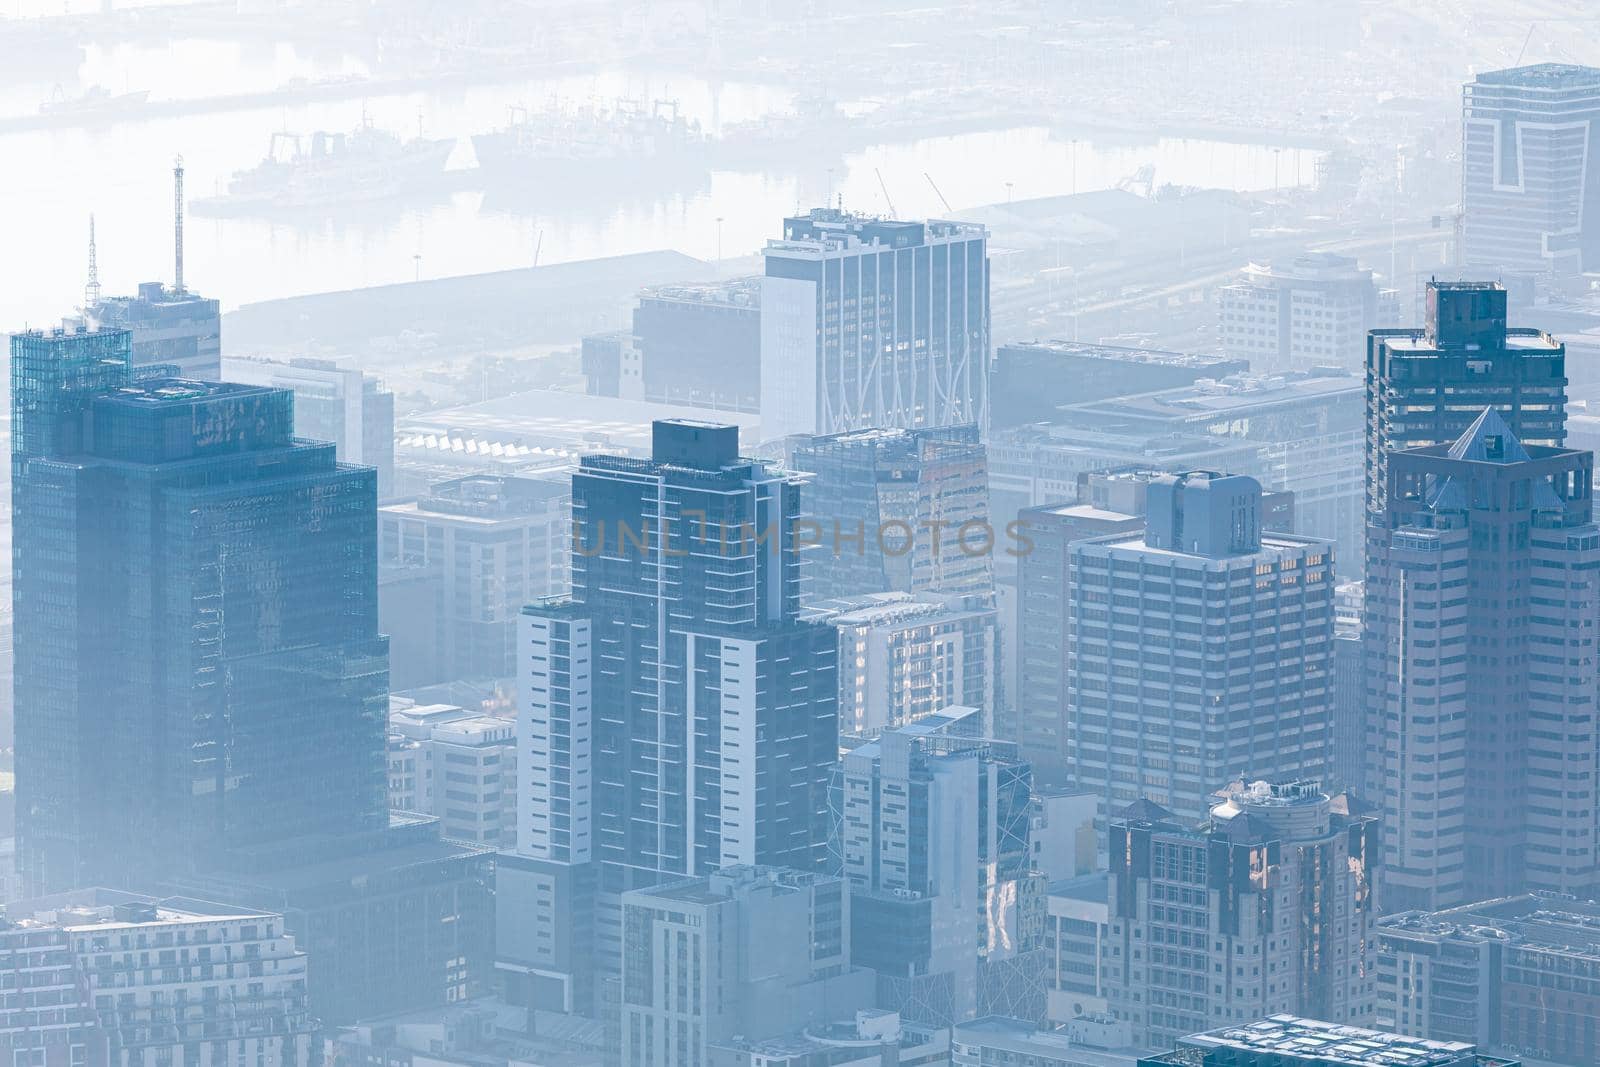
(199, 667)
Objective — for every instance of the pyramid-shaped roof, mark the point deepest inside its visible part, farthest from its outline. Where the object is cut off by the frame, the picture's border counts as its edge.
(1489, 440)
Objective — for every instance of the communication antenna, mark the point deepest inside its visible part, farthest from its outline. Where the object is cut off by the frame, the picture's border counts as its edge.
(91, 291)
(177, 225)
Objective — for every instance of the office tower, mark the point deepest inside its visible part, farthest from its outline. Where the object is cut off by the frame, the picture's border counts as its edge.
(746, 952)
(1347, 759)
(700, 345)
(1510, 974)
(1201, 646)
(1033, 379)
(457, 766)
(1299, 432)
(201, 681)
(897, 510)
(333, 403)
(903, 657)
(677, 715)
(1289, 1041)
(1424, 387)
(1313, 313)
(1527, 196)
(172, 327)
(490, 544)
(162, 526)
(932, 828)
(873, 322)
(1279, 885)
(1480, 679)
(1109, 502)
(121, 980)
(1078, 921)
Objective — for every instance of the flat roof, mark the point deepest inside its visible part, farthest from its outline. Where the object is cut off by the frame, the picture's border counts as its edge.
(1282, 1038)
(1229, 395)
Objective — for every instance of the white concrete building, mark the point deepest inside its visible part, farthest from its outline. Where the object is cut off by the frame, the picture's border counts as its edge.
(1314, 312)
(447, 762)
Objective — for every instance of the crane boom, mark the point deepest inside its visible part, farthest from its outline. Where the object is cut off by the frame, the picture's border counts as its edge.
(937, 193)
(886, 198)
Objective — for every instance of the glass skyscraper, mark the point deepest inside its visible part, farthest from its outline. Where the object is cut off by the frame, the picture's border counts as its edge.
(198, 663)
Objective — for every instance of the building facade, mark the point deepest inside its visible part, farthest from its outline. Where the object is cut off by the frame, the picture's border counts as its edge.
(1314, 313)
(490, 544)
(747, 952)
(1195, 648)
(170, 327)
(196, 621)
(333, 403)
(873, 322)
(897, 511)
(1479, 668)
(137, 982)
(904, 657)
(1515, 975)
(1529, 202)
(1266, 908)
(1424, 387)
(932, 831)
(700, 345)
(677, 714)
(459, 767)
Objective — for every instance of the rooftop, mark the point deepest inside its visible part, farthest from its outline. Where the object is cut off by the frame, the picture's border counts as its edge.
(1120, 353)
(1283, 1040)
(1556, 924)
(1543, 76)
(1232, 395)
(1090, 887)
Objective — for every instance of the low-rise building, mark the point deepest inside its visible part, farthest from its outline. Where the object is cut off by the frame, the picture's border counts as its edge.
(1077, 930)
(997, 1041)
(458, 766)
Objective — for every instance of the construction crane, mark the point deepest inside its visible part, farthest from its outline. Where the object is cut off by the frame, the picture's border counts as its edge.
(884, 186)
(937, 193)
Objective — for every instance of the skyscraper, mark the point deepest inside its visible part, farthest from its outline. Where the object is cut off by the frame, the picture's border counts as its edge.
(873, 322)
(196, 621)
(1267, 907)
(677, 715)
(1480, 680)
(897, 511)
(1531, 204)
(1196, 649)
(1424, 387)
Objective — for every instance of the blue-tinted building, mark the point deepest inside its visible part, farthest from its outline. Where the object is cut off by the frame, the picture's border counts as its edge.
(677, 715)
(199, 667)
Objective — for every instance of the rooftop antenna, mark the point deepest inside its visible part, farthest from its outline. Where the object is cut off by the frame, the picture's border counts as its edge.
(177, 225)
(91, 291)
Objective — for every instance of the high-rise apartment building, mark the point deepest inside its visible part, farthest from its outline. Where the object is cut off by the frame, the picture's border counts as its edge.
(1480, 678)
(873, 322)
(746, 952)
(196, 621)
(932, 830)
(1268, 907)
(108, 979)
(1194, 649)
(677, 715)
(1528, 199)
(897, 511)
(488, 545)
(332, 403)
(1313, 313)
(1424, 387)
(171, 327)
(904, 657)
